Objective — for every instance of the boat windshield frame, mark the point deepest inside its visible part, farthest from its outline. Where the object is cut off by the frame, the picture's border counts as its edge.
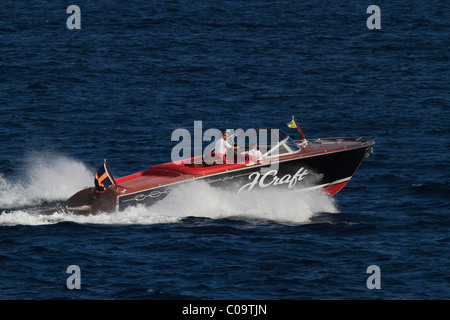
(282, 142)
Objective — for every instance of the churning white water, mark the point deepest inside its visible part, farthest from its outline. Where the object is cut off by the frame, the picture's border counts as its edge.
(47, 177)
(53, 177)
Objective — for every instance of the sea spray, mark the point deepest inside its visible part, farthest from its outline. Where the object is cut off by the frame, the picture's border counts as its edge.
(199, 199)
(47, 177)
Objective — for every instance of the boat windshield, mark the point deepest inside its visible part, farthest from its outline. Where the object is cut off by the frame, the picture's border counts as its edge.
(270, 142)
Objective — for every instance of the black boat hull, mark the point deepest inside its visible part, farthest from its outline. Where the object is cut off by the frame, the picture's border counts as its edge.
(312, 172)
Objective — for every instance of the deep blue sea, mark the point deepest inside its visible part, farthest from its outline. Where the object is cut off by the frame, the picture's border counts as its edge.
(137, 70)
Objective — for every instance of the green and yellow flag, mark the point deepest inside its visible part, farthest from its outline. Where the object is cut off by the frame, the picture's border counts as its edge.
(292, 124)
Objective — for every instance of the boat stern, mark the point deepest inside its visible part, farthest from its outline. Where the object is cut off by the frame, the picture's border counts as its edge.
(91, 201)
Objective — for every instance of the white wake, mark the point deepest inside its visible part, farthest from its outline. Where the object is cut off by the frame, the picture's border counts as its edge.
(46, 177)
(198, 199)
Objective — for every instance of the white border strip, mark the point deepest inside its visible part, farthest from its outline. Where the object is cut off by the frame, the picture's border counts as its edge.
(326, 184)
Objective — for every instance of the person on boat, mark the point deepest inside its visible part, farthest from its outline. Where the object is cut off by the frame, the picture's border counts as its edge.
(222, 146)
(254, 152)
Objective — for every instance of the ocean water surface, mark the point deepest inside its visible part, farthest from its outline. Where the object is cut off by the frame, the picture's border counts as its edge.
(137, 70)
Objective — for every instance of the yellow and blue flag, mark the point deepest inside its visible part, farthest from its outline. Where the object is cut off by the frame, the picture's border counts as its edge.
(102, 178)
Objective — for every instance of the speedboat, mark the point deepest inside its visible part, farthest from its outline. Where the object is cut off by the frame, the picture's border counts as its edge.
(325, 164)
